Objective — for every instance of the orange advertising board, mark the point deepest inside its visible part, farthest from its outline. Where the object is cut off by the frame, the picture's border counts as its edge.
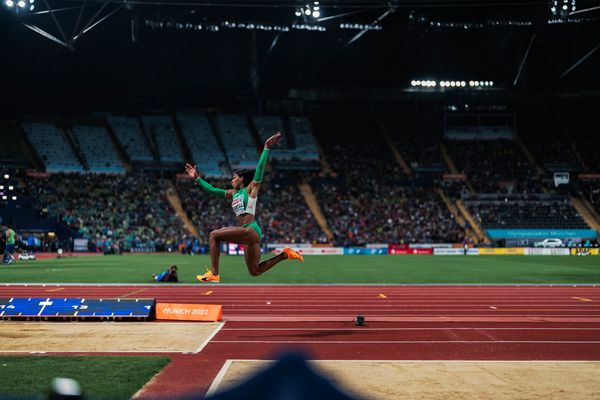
(189, 312)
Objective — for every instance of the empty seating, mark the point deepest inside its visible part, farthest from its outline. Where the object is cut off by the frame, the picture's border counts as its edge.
(202, 144)
(98, 149)
(239, 146)
(162, 133)
(128, 132)
(52, 147)
(306, 148)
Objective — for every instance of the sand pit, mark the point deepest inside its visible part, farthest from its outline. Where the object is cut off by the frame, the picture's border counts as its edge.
(104, 336)
(437, 380)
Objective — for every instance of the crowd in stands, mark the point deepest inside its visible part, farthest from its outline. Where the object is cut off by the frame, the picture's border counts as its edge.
(590, 190)
(281, 212)
(111, 210)
(367, 199)
(549, 143)
(494, 166)
(366, 203)
(525, 212)
(417, 142)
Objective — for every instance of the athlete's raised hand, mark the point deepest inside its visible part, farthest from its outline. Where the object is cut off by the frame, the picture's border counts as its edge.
(191, 171)
(273, 140)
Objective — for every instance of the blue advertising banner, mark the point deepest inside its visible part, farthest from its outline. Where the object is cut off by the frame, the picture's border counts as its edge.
(540, 233)
(365, 251)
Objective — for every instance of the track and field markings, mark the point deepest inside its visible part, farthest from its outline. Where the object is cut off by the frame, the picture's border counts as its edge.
(219, 378)
(208, 293)
(582, 299)
(382, 296)
(413, 341)
(132, 293)
(363, 329)
(56, 290)
(209, 338)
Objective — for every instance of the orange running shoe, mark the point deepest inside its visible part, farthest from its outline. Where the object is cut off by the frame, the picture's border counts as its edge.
(209, 277)
(293, 254)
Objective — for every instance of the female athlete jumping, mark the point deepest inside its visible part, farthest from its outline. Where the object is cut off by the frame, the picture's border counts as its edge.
(244, 196)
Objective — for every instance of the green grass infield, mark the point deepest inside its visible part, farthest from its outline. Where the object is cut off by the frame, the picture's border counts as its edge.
(100, 377)
(315, 270)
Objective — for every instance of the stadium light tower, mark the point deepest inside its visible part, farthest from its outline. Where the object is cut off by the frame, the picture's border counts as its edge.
(562, 8)
(309, 10)
(19, 7)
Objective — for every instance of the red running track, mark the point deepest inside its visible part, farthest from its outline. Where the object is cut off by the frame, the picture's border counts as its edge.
(402, 323)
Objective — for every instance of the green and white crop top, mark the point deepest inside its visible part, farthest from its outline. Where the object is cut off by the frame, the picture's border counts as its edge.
(242, 203)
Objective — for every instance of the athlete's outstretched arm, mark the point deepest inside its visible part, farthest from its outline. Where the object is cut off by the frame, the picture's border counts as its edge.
(207, 187)
(260, 168)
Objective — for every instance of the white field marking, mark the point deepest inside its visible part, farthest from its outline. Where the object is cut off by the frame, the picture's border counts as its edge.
(250, 285)
(87, 351)
(411, 341)
(208, 339)
(432, 361)
(219, 378)
(401, 313)
(286, 301)
(520, 318)
(390, 307)
(411, 329)
(392, 303)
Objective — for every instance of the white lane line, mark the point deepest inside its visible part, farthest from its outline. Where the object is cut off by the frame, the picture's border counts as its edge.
(88, 351)
(432, 361)
(411, 329)
(410, 341)
(209, 338)
(299, 317)
(219, 378)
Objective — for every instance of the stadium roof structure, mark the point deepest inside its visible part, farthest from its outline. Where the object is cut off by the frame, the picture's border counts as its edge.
(151, 53)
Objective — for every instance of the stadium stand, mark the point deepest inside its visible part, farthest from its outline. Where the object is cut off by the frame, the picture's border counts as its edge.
(10, 151)
(205, 211)
(494, 166)
(590, 190)
(306, 148)
(98, 149)
(588, 146)
(550, 145)
(286, 216)
(202, 144)
(366, 200)
(279, 211)
(267, 126)
(525, 212)
(129, 211)
(364, 205)
(419, 145)
(128, 133)
(162, 133)
(52, 147)
(239, 146)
